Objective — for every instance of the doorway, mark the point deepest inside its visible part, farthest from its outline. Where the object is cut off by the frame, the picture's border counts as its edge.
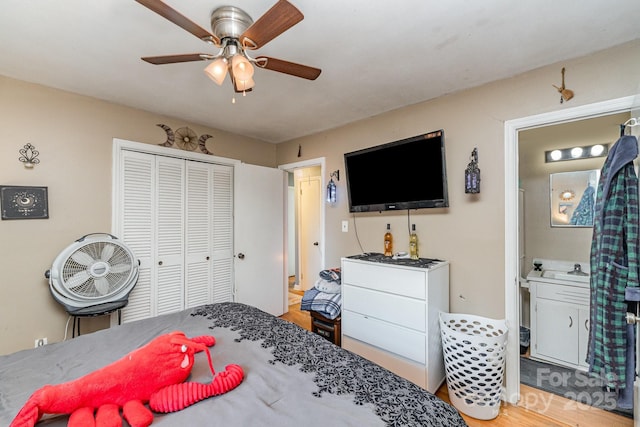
(557, 324)
(305, 225)
(512, 239)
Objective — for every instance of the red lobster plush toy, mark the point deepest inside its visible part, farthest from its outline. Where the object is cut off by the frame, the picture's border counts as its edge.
(154, 373)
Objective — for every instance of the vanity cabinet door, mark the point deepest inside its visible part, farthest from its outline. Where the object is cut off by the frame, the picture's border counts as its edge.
(557, 330)
(583, 337)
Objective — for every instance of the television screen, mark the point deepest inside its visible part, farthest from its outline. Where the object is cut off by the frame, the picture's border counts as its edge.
(405, 174)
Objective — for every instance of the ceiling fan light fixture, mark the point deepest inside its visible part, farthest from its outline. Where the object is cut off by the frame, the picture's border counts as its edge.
(217, 70)
(233, 31)
(241, 68)
(244, 85)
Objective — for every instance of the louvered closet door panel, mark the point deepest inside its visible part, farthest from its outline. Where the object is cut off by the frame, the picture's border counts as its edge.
(170, 177)
(222, 233)
(198, 284)
(136, 208)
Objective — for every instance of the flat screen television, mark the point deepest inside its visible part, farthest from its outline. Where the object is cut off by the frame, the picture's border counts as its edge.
(405, 174)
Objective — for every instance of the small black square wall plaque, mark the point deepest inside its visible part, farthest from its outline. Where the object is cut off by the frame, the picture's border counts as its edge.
(24, 202)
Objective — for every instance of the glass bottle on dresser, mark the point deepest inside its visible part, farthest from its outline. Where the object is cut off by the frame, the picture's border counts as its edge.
(388, 242)
(413, 243)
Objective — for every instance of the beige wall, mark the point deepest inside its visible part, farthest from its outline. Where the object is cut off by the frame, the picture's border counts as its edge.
(542, 240)
(470, 233)
(74, 137)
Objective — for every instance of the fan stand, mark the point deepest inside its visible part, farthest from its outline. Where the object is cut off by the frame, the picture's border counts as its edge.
(95, 311)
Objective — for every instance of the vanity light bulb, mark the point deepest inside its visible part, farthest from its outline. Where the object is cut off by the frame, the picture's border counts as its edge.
(556, 155)
(596, 150)
(576, 152)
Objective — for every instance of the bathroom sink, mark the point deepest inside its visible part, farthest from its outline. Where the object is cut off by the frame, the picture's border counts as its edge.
(563, 275)
(557, 272)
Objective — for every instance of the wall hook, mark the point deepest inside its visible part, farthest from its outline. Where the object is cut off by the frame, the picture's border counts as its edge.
(565, 94)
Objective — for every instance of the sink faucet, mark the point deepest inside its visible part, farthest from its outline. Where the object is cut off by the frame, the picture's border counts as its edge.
(577, 270)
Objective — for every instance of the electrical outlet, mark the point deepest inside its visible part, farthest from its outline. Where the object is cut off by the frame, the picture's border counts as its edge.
(40, 342)
(345, 226)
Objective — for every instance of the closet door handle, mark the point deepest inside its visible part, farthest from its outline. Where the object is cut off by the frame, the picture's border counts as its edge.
(570, 321)
(159, 262)
(586, 324)
(208, 258)
(241, 255)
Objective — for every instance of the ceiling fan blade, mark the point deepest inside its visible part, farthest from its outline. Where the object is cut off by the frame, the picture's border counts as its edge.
(180, 20)
(287, 67)
(282, 16)
(172, 59)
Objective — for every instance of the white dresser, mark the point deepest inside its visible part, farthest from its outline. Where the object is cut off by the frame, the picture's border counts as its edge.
(390, 316)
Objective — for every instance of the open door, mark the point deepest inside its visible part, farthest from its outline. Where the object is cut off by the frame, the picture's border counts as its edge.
(309, 224)
(259, 237)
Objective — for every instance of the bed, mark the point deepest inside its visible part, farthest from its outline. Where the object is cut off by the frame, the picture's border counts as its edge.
(292, 376)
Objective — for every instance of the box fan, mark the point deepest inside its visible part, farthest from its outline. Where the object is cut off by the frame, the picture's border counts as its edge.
(93, 276)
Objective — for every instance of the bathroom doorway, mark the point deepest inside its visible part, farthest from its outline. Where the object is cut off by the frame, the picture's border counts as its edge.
(513, 267)
(553, 195)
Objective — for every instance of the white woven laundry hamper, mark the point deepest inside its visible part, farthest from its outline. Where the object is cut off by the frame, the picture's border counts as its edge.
(474, 350)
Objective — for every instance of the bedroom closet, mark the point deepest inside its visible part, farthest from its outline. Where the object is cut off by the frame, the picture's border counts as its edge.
(177, 216)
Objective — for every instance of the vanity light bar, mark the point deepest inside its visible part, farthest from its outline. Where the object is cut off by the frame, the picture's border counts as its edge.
(575, 153)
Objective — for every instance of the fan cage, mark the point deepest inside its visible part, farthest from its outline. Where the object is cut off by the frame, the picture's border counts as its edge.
(93, 272)
(115, 280)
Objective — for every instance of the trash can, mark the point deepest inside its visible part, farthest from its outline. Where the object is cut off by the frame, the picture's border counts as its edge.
(525, 338)
(474, 351)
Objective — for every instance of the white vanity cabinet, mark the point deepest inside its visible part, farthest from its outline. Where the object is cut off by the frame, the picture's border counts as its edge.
(390, 315)
(559, 323)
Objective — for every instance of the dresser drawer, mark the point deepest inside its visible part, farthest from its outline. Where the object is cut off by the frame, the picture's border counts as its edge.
(385, 278)
(396, 339)
(396, 309)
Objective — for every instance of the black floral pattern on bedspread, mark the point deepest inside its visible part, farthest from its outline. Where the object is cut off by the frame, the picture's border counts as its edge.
(398, 402)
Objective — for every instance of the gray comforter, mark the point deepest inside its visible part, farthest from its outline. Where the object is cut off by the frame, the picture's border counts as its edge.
(292, 377)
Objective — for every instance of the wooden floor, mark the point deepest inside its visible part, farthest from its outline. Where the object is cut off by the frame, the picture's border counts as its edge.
(536, 408)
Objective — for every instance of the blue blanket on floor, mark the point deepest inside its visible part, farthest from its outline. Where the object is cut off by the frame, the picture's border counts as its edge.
(329, 305)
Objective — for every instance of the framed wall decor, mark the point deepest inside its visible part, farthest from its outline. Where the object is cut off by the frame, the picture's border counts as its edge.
(20, 202)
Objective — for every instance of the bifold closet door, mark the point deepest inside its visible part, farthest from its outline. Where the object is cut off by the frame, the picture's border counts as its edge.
(223, 237)
(170, 241)
(208, 233)
(135, 211)
(152, 225)
(177, 217)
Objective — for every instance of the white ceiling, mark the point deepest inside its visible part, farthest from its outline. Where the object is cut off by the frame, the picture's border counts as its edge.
(375, 56)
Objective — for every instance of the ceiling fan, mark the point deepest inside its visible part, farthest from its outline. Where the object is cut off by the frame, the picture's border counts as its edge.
(234, 32)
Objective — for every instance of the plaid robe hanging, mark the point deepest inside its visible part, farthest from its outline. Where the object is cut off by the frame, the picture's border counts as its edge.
(614, 262)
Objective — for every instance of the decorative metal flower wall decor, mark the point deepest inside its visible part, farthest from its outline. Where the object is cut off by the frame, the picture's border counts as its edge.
(185, 139)
(29, 156)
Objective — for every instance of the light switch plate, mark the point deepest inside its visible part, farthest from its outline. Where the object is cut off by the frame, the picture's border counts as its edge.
(345, 226)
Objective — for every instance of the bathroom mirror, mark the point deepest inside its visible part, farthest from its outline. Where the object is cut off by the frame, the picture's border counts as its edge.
(573, 197)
